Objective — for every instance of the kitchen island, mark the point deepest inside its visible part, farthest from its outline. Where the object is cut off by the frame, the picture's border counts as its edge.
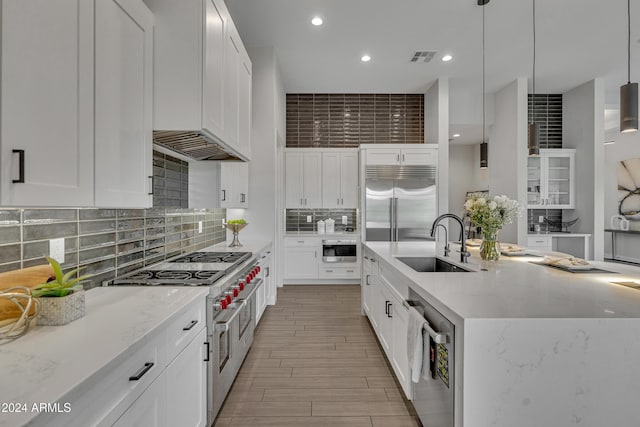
(535, 346)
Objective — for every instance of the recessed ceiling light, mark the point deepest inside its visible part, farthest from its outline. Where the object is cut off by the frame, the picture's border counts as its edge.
(365, 58)
(317, 21)
(447, 58)
(456, 135)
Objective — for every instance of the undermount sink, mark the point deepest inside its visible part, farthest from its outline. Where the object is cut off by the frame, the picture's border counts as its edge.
(431, 265)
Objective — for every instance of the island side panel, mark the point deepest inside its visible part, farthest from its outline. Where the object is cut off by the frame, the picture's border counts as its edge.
(551, 372)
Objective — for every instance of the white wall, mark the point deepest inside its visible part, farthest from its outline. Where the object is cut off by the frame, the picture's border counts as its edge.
(463, 171)
(627, 146)
(436, 131)
(508, 153)
(583, 129)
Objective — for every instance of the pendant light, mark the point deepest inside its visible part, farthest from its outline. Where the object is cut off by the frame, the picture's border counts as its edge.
(484, 147)
(534, 134)
(629, 92)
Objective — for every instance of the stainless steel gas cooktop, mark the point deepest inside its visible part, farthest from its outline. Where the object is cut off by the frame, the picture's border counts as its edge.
(194, 269)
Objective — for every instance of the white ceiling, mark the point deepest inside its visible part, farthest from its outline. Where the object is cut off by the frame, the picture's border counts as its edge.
(576, 41)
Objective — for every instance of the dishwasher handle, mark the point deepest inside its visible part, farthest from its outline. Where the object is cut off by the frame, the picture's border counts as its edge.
(438, 338)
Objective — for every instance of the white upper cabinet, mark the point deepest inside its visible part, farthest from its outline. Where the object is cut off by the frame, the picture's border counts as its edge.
(245, 85)
(234, 185)
(47, 103)
(200, 72)
(303, 179)
(340, 179)
(551, 179)
(123, 104)
(76, 103)
(214, 72)
(402, 156)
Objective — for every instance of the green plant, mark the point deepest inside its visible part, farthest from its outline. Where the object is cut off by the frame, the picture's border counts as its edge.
(236, 221)
(62, 285)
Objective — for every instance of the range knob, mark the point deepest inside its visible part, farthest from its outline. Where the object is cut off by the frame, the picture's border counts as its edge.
(229, 296)
(220, 305)
(258, 269)
(248, 279)
(241, 285)
(236, 290)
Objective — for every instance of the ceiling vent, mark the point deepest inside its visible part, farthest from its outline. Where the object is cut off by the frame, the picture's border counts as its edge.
(423, 56)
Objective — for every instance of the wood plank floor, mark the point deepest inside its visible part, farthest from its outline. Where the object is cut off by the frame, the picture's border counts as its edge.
(315, 362)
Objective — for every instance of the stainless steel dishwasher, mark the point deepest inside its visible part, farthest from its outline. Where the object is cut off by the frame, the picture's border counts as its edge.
(433, 395)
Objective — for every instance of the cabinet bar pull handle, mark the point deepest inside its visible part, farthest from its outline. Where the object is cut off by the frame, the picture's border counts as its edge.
(224, 195)
(20, 179)
(242, 197)
(389, 310)
(268, 272)
(190, 326)
(397, 157)
(386, 308)
(403, 157)
(337, 201)
(366, 280)
(151, 192)
(147, 367)
(206, 358)
(301, 202)
(349, 271)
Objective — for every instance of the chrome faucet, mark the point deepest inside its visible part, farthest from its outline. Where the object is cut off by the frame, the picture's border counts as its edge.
(464, 254)
(446, 239)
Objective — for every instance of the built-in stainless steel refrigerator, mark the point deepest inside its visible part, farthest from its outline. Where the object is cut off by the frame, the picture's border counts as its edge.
(400, 202)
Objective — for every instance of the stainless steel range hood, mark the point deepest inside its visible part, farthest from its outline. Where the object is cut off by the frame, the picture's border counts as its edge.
(196, 145)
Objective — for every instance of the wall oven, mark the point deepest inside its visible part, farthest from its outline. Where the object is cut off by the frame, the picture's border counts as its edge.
(339, 251)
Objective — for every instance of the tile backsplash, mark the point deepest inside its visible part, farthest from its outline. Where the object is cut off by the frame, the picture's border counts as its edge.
(551, 214)
(105, 242)
(296, 219)
(348, 120)
(170, 181)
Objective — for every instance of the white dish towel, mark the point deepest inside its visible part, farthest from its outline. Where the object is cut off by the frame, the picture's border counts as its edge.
(415, 345)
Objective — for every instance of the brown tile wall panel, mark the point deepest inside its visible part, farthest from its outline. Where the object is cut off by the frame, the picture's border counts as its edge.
(105, 242)
(348, 120)
(296, 219)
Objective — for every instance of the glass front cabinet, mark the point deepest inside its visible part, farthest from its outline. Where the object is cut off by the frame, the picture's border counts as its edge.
(551, 179)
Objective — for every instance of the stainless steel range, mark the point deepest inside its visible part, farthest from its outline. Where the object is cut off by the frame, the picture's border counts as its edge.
(230, 309)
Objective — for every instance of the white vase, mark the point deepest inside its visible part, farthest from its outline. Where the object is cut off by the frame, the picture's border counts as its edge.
(57, 311)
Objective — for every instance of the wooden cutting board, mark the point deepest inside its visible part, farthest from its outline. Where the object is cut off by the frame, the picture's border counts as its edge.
(28, 277)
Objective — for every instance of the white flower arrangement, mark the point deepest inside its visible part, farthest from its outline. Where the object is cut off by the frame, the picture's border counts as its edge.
(491, 214)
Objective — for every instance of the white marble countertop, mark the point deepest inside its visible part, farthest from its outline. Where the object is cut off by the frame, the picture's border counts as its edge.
(254, 246)
(51, 361)
(351, 234)
(515, 288)
(558, 234)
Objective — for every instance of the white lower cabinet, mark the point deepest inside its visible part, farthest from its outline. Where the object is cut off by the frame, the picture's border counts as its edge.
(187, 385)
(161, 384)
(399, 357)
(301, 263)
(149, 410)
(382, 303)
(303, 260)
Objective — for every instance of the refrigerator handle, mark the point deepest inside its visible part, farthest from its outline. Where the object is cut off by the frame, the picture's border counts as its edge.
(395, 218)
(391, 220)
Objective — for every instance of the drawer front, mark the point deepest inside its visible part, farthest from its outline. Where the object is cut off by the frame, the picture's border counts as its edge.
(184, 328)
(301, 241)
(116, 388)
(339, 272)
(539, 242)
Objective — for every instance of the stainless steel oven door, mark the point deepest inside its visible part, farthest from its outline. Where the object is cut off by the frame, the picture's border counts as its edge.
(340, 251)
(223, 368)
(247, 320)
